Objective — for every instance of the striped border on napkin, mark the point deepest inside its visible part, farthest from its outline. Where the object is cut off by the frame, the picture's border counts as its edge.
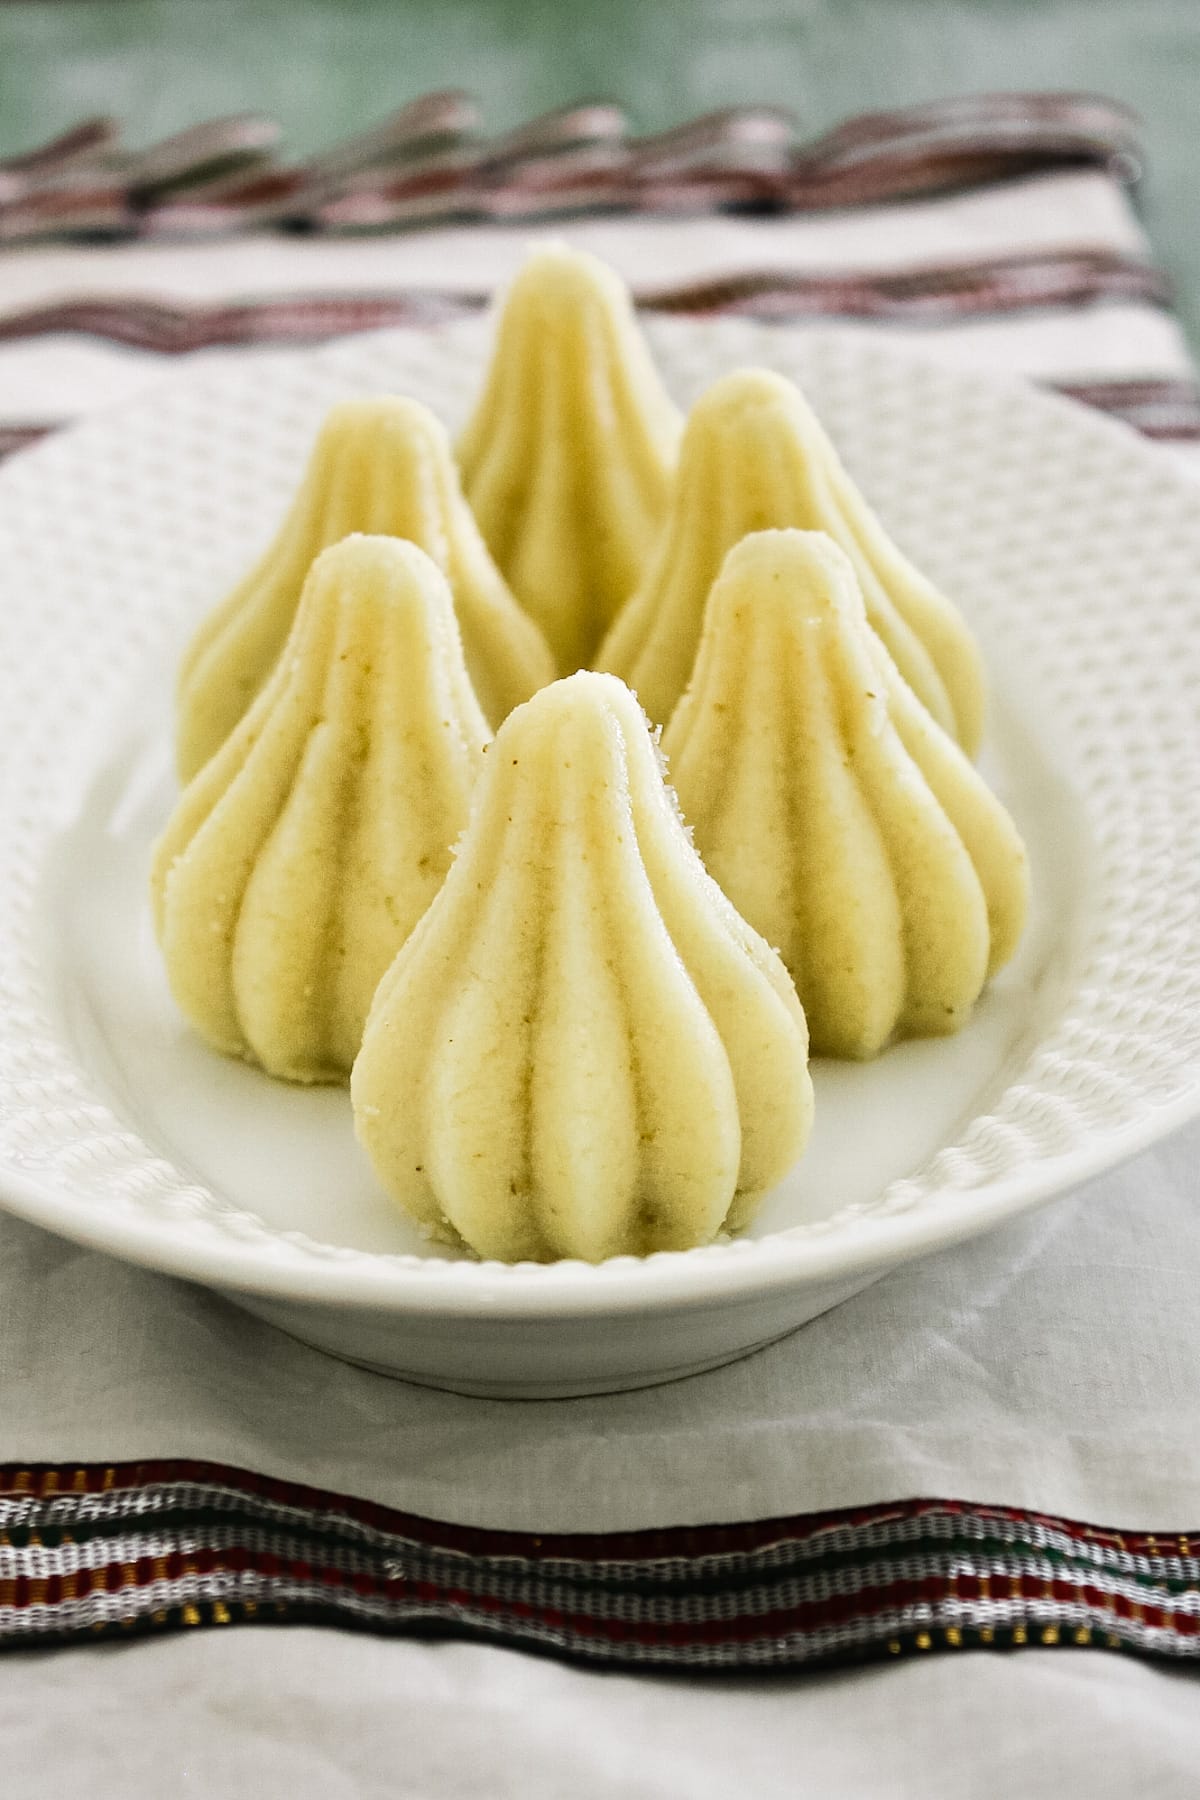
(993, 231)
(432, 161)
(94, 1552)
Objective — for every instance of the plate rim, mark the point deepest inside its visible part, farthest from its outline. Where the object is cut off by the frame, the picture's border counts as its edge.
(569, 1288)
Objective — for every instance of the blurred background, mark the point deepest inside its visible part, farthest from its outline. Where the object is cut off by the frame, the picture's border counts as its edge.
(327, 68)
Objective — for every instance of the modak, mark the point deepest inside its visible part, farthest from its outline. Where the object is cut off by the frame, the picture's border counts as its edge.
(301, 856)
(381, 465)
(567, 460)
(582, 1050)
(754, 456)
(843, 823)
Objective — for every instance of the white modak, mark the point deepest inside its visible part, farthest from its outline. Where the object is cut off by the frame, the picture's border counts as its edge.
(301, 856)
(582, 1050)
(576, 1003)
(568, 457)
(755, 456)
(379, 466)
(846, 825)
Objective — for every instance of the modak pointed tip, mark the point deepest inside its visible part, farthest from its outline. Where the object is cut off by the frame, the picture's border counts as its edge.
(582, 1050)
(588, 692)
(845, 825)
(805, 562)
(392, 427)
(396, 569)
(554, 274)
(745, 389)
(394, 583)
(371, 413)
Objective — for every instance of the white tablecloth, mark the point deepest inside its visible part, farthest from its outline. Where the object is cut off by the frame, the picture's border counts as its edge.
(1053, 1365)
(303, 1714)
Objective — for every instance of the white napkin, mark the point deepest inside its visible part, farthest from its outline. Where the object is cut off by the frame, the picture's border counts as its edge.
(1053, 1365)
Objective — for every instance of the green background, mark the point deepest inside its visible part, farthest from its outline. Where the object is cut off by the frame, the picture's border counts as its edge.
(327, 67)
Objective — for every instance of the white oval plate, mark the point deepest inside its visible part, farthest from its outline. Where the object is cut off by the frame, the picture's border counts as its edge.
(1075, 551)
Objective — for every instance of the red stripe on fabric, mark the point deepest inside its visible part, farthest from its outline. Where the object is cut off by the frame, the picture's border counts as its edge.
(938, 291)
(831, 1613)
(20, 437)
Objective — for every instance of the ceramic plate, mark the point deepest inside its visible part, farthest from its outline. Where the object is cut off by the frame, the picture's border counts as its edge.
(1074, 550)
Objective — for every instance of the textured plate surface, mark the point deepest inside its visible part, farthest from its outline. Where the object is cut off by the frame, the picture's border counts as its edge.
(1075, 551)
